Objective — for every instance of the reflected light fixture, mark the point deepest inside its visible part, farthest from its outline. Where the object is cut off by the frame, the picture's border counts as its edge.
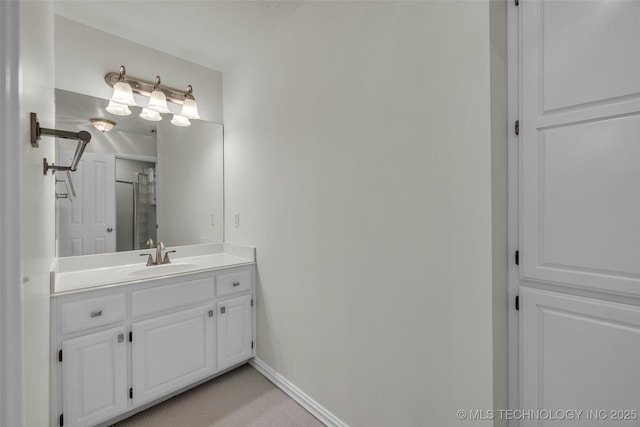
(152, 116)
(179, 120)
(158, 100)
(103, 125)
(190, 108)
(122, 92)
(118, 109)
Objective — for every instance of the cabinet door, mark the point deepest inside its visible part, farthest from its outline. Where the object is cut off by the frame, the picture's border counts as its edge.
(235, 331)
(172, 351)
(94, 375)
(579, 353)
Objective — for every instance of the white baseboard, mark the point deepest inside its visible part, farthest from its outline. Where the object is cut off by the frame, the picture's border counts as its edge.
(317, 410)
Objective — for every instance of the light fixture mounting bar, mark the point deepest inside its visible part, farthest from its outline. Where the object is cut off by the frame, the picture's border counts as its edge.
(143, 87)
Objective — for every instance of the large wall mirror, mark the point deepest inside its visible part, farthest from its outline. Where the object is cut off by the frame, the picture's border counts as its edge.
(138, 183)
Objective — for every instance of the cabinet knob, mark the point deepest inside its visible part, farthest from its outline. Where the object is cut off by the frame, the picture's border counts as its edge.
(236, 284)
(223, 310)
(210, 313)
(120, 338)
(96, 313)
(109, 230)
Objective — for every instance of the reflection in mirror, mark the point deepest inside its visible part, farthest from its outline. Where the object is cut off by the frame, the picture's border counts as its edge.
(140, 183)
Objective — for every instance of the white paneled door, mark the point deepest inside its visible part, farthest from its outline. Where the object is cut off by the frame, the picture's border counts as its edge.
(580, 143)
(579, 212)
(87, 221)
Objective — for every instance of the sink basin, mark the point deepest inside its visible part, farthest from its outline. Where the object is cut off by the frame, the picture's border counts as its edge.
(155, 270)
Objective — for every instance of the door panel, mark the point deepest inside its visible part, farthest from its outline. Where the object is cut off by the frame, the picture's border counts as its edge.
(580, 121)
(234, 331)
(572, 34)
(171, 351)
(579, 353)
(94, 377)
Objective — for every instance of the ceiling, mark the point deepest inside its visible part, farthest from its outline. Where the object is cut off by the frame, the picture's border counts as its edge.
(210, 33)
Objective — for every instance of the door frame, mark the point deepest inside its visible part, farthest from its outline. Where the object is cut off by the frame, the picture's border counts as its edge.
(513, 182)
(12, 398)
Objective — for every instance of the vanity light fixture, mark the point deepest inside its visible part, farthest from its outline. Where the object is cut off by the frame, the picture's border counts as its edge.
(152, 116)
(103, 125)
(179, 120)
(118, 109)
(158, 95)
(122, 91)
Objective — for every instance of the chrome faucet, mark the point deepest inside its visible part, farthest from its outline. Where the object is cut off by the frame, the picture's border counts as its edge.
(159, 260)
(159, 249)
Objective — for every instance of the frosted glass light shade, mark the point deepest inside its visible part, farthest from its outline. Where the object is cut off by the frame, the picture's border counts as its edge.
(152, 116)
(122, 94)
(190, 109)
(158, 102)
(179, 120)
(118, 109)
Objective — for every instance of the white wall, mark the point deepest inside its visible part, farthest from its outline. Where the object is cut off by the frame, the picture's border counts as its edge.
(38, 250)
(358, 154)
(84, 55)
(11, 296)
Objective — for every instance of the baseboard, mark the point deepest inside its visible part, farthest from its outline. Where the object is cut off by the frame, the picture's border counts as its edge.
(317, 410)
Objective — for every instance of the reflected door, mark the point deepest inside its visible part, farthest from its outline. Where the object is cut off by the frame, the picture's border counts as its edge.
(87, 222)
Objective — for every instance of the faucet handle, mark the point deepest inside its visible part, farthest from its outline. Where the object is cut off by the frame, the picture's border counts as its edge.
(149, 260)
(166, 259)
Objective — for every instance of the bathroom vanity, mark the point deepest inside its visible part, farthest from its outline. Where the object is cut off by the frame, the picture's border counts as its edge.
(126, 336)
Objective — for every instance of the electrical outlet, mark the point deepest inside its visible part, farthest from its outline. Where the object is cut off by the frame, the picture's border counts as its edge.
(236, 218)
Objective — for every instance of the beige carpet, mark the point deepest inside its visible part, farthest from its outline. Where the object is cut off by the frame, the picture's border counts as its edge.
(240, 398)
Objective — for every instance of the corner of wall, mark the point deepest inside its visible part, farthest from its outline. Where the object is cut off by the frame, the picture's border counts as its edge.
(499, 129)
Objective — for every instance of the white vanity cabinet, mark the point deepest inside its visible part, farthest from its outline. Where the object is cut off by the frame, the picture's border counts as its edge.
(120, 349)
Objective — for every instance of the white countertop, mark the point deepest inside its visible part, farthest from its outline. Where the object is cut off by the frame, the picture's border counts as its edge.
(74, 274)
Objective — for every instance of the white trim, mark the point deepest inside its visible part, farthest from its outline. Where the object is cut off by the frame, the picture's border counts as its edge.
(317, 410)
(12, 399)
(513, 66)
(137, 157)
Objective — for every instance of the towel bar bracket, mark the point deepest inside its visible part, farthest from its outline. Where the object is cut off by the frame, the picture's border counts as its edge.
(83, 137)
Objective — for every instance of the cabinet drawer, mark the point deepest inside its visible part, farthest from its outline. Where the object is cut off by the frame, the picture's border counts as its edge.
(89, 313)
(163, 298)
(227, 284)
